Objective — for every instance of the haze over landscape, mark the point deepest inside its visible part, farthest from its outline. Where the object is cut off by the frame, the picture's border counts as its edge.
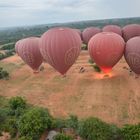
(32, 12)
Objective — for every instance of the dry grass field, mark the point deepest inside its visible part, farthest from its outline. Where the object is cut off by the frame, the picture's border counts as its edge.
(114, 99)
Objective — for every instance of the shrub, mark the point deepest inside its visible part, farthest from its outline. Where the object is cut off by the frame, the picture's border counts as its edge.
(91, 61)
(61, 136)
(16, 103)
(72, 122)
(84, 47)
(116, 133)
(131, 132)
(7, 54)
(11, 126)
(97, 69)
(3, 74)
(3, 115)
(94, 129)
(34, 122)
(3, 118)
(8, 46)
(2, 56)
(60, 123)
(25, 138)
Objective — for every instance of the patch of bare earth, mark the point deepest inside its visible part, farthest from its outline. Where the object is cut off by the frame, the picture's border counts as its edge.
(114, 99)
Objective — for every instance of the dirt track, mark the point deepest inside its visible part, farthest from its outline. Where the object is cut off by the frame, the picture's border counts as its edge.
(113, 99)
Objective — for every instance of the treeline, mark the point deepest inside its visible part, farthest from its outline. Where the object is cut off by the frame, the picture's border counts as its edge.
(27, 122)
(8, 46)
(6, 54)
(13, 34)
(8, 50)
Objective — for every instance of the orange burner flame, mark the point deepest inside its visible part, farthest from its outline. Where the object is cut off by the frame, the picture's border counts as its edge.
(103, 75)
(106, 70)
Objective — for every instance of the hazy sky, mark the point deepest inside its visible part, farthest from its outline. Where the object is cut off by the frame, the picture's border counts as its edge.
(29, 12)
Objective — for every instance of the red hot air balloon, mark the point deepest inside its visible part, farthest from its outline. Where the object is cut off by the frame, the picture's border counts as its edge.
(89, 32)
(132, 54)
(16, 47)
(113, 28)
(28, 50)
(130, 31)
(106, 49)
(78, 31)
(60, 47)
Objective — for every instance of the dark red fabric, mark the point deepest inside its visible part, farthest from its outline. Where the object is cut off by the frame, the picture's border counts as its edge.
(130, 31)
(106, 49)
(60, 47)
(28, 50)
(113, 28)
(132, 54)
(89, 32)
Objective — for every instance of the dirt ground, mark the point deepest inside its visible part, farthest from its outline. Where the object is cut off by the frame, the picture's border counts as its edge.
(114, 99)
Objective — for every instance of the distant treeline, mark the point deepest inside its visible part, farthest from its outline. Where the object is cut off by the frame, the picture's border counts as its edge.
(13, 34)
(8, 50)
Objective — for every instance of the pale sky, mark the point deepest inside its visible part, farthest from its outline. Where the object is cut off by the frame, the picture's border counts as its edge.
(31, 12)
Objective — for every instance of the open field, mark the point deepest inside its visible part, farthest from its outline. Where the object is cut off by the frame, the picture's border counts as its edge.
(114, 99)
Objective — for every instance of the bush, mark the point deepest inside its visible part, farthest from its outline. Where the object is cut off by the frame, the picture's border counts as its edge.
(116, 133)
(91, 61)
(34, 122)
(25, 138)
(11, 126)
(3, 74)
(3, 115)
(94, 129)
(97, 69)
(2, 56)
(60, 123)
(8, 46)
(17, 102)
(7, 54)
(72, 122)
(62, 137)
(84, 47)
(3, 118)
(131, 132)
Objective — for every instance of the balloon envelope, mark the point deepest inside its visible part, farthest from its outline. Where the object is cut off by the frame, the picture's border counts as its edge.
(106, 49)
(130, 31)
(113, 28)
(28, 50)
(89, 32)
(79, 32)
(60, 47)
(16, 47)
(132, 54)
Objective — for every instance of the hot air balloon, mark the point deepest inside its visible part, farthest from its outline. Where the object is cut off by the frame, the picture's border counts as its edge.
(89, 32)
(78, 31)
(132, 54)
(113, 28)
(106, 49)
(28, 50)
(60, 47)
(16, 47)
(130, 31)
